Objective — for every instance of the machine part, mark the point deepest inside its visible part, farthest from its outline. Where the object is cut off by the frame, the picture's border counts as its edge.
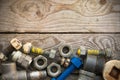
(65, 62)
(94, 64)
(85, 75)
(108, 52)
(22, 59)
(65, 50)
(16, 43)
(52, 53)
(9, 72)
(112, 70)
(27, 47)
(2, 57)
(75, 64)
(54, 69)
(40, 62)
(82, 51)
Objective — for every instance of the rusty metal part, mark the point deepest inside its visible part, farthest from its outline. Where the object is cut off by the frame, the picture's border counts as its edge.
(112, 70)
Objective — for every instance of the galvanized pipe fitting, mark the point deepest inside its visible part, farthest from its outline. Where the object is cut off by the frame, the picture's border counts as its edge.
(94, 64)
(28, 48)
(112, 70)
(9, 72)
(65, 50)
(14, 44)
(85, 75)
(21, 59)
(54, 69)
(40, 62)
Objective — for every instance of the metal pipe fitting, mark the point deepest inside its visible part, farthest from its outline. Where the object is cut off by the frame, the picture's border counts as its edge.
(85, 75)
(82, 51)
(75, 64)
(54, 69)
(14, 44)
(2, 57)
(21, 59)
(112, 70)
(65, 62)
(94, 64)
(40, 62)
(9, 72)
(28, 48)
(65, 50)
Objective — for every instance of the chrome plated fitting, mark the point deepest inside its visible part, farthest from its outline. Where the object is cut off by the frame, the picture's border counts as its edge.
(52, 53)
(82, 51)
(54, 69)
(9, 72)
(65, 62)
(27, 47)
(40, 62)
(65, 50)
(22, 59)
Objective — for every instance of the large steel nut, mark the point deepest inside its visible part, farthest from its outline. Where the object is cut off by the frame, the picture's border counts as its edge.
(65, 50)
(40, 62)
(54, 69)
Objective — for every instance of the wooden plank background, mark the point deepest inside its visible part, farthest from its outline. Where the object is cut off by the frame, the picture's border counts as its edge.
(50, 23)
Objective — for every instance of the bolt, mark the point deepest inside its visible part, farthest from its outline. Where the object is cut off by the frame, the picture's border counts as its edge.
(75, 63)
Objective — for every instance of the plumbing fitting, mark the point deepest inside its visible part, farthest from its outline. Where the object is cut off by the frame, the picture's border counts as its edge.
(28, 48)
(54, 69)
(14, 44)
(9, 72)
(75, 64)
(40, 62)
(82, 51)
(66, 50)
(85, 75)
(112, 70)
(22, 59)
(65, 62)
(94, 64)
(2, 57)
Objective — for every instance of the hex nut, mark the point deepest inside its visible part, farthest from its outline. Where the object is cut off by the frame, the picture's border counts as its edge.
(83, 51)
(27, 47)
(40, 62)
(54, 69)
(16, 43)
(65, 50)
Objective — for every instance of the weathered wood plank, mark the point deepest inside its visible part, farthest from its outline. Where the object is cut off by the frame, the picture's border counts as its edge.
(59, 16)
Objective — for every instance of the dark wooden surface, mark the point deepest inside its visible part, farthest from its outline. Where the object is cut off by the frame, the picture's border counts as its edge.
(51, 23)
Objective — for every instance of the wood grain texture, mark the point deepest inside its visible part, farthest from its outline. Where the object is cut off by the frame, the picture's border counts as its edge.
(59, 16)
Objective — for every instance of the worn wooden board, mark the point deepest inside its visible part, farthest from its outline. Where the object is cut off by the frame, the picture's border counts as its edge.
(59, 16)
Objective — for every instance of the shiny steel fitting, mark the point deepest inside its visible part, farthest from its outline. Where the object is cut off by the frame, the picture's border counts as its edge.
(22, 59)
(65, 50)
(82, 51)
(54, 69)
(65, 62)
(40, 62)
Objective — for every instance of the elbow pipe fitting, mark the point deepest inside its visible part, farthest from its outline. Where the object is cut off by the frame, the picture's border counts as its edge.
(94, 64)
(75, 64)
(40, 62)
(54, 69)
(65, 50)
(9, 72)
(21, 59)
